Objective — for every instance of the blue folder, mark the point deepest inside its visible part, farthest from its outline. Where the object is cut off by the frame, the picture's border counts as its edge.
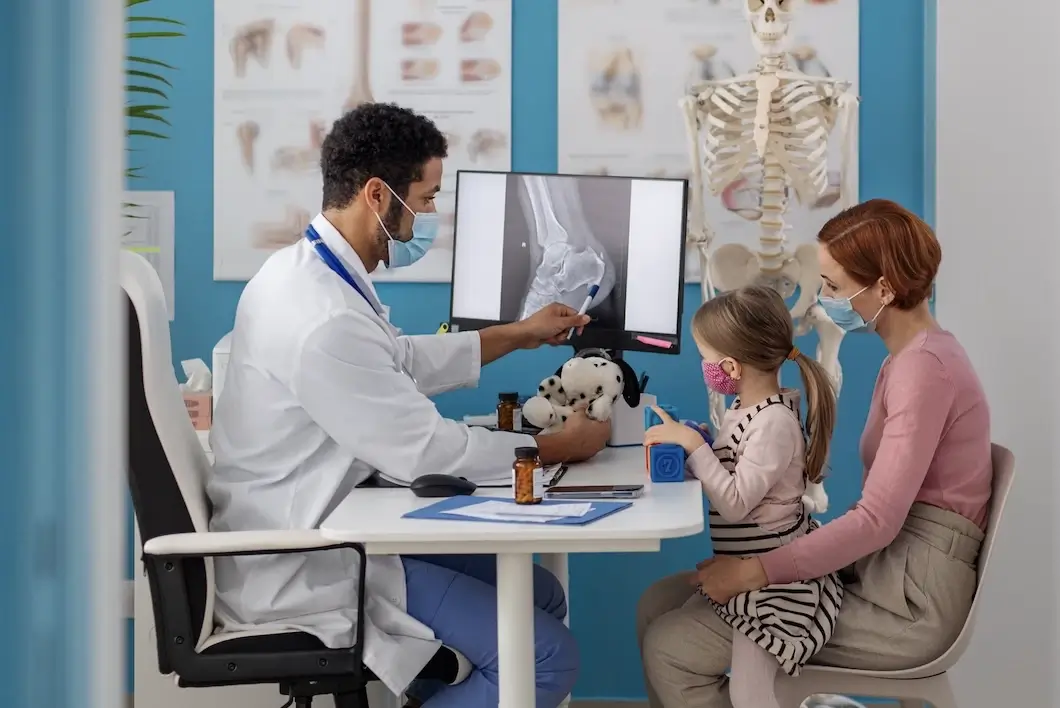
(440, 510)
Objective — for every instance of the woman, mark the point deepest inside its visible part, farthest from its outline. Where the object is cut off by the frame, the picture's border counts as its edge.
(908, 548)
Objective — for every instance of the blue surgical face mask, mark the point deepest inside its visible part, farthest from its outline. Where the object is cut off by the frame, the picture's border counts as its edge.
(424, 232)
(842, 312)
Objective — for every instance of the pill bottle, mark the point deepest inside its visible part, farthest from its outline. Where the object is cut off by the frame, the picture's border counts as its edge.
(528, 477)
(509, 416)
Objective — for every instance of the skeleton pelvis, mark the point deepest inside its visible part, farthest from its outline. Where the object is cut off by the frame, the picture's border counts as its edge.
(734, 266)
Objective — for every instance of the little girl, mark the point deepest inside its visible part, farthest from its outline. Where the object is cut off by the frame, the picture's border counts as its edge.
(755, 477)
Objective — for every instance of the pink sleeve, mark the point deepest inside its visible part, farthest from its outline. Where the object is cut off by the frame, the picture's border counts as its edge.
(917, 400)
(766, 453)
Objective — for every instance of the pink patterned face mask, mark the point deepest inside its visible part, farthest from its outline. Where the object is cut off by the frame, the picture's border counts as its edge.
(718, 380)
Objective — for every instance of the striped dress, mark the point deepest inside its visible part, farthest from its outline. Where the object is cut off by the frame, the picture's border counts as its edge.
(792, 621)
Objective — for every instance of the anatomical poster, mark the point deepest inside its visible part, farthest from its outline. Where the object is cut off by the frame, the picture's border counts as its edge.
(285, 70)
(625, 64)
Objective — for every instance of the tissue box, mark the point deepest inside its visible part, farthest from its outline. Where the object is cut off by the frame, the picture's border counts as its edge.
(200, 409)
(627, 424)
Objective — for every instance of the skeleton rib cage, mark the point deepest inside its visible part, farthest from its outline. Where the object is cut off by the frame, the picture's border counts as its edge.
(801, 116)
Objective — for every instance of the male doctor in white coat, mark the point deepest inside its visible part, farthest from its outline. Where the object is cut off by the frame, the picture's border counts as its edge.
(323, 395)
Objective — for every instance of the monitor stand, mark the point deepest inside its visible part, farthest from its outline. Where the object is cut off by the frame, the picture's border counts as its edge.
(612, 354)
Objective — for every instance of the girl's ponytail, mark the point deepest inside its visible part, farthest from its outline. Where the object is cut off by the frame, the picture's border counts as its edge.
(820, 413)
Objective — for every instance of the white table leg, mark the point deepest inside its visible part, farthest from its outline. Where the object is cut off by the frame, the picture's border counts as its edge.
(515, 630)
(556, 563)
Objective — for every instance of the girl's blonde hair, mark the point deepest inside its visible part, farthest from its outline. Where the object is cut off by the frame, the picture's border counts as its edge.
(752, 325)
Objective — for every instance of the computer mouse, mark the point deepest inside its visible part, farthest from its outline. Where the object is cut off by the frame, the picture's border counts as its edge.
(441, 485)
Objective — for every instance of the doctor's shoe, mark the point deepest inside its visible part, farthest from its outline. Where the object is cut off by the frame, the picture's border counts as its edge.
(463, 669)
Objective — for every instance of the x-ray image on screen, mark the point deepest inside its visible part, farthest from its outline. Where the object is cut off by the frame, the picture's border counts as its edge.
(561, 236)
(523, 241)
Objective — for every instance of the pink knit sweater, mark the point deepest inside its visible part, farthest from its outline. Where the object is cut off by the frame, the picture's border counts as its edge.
(927, 439)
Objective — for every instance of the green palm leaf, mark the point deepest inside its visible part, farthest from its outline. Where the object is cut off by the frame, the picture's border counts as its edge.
(147, 75)
(152, 35)
(146, 89)
(144, 116)
(146, 113)
(164, 20)
(151, 62)
(146, 134)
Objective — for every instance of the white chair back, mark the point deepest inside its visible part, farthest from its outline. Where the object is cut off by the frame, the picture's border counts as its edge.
(1004, 464)
(167, 466)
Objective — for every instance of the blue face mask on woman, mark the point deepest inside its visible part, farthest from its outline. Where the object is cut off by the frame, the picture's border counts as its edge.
(842, 312)
(424, 232)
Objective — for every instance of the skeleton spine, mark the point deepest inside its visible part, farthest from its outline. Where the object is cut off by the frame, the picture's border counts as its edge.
(771, 254)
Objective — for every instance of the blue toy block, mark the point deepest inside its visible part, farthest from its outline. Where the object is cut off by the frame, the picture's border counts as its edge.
(666, 463)
(651, 418)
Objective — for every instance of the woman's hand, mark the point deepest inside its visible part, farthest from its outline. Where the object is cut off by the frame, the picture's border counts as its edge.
(672, 432)
(724, 577)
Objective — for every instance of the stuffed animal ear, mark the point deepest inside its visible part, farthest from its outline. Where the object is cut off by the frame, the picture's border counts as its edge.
(630, 385)
(559, 371)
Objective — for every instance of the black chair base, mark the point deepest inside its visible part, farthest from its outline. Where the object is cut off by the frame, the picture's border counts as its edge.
(347, 693)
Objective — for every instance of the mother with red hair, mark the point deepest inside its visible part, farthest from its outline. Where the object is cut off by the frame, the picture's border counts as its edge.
(907, 551)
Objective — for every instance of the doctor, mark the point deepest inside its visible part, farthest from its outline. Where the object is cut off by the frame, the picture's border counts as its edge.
(323, 395)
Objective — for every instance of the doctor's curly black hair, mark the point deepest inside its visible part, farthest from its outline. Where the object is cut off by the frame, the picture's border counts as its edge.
(377, 140)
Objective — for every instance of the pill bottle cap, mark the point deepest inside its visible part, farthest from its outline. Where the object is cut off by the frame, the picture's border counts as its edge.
(509, 397)
(525, 453)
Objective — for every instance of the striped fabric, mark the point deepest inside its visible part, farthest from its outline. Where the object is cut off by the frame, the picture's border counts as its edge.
(792, 621)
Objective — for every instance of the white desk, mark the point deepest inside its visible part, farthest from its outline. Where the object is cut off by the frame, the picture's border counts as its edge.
(373, 517)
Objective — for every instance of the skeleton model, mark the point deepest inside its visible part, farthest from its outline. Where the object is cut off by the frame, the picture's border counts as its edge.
(769, 127)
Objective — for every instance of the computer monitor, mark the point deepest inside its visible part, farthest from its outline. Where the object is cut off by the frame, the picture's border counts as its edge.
(524, 240)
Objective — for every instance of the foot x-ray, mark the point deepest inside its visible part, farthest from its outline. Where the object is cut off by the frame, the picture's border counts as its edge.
(562, 235)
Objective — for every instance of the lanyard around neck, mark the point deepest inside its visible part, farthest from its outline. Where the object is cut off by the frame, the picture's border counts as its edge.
(332, 261)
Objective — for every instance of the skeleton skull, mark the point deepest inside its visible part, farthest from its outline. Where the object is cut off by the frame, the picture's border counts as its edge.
(770, 21)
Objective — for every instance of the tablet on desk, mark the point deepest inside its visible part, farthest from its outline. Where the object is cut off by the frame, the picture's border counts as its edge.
(596, 491)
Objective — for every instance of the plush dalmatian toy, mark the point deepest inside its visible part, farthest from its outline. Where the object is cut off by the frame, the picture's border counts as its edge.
(584, 383)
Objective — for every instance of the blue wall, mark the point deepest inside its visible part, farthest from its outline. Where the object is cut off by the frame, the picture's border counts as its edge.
(605, 588)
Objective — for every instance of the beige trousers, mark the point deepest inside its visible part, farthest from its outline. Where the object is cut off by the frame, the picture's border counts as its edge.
(906, 607)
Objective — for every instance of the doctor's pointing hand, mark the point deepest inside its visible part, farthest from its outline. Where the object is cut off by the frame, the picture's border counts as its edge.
(550, 325)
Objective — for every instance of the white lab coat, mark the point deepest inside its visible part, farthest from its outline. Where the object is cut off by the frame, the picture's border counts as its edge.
(321, 392)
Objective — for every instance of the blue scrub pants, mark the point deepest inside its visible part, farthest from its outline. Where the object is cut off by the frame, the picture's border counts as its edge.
(456, 596)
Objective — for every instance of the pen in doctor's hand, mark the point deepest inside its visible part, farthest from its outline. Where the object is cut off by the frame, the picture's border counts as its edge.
(593, 289)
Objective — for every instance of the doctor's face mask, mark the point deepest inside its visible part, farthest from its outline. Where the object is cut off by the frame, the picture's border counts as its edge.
(424, 231)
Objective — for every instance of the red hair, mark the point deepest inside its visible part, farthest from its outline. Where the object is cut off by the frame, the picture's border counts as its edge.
(881, 239)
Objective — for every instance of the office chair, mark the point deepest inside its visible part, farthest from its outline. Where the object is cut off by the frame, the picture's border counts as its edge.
(167, 471)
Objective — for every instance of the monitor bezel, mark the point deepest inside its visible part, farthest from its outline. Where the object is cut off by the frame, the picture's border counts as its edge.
(609, 339)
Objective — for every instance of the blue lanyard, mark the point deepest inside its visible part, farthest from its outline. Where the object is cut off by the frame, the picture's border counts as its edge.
(332, 262)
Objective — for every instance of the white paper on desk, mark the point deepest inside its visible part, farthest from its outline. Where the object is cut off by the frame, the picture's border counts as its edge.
(503, 511)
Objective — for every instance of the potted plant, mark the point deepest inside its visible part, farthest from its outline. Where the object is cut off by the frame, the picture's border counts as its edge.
(146, 82)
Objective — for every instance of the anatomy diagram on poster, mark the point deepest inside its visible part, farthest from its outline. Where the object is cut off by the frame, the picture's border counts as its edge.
(286, 70)
(625, 64)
